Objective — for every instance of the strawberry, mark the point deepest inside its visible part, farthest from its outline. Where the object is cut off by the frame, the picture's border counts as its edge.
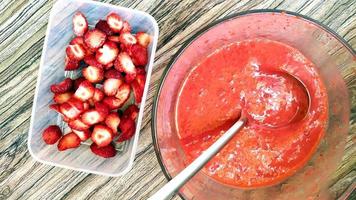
(68, 141)
(143, 39)
(94, 39)
(51, 134)
(138, 55)
(92, 117)
(102, 135)
(114, 38)
(113, 73)
(79, 105)
(107, 53)
(70, 64)
(85, 91)
(124, 63)
(130, 77)
(69, 111)
(115, 23)
(126, 27)
(104, 27)
(80, 24)
(91, 60)
(77, 82)
(78, 124)
(83, 135)
(127, 39)
(78, 40)
(93, 74)
(113, 121)
(102, 108)
(141, 80)
(131, 112)
(98, 95)
(137, 90)
(62, 97)
(112, 102)
(127, 127)
(55, 107)
(86, 106)
(105, 152)
(75, 52)
(111, 85)
(140, 70)
(123, 93)
(62, 87)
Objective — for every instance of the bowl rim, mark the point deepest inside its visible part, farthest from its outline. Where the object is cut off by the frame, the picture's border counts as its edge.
(201, 32)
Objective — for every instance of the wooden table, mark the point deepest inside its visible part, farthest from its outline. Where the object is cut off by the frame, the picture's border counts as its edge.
(22, 31)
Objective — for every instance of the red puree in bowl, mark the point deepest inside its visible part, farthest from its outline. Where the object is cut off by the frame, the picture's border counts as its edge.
(286, 124)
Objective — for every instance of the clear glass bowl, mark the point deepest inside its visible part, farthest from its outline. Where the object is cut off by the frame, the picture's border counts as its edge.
(330, 54)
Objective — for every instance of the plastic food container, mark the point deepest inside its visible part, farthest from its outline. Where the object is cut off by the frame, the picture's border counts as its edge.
(59, 34)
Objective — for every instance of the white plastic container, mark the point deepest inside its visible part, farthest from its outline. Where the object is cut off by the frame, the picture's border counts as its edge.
(59, 34)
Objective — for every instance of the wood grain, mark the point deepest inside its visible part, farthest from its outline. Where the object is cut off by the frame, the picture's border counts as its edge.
(22, 30)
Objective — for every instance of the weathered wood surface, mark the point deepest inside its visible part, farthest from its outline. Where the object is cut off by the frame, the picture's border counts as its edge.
(22, 31)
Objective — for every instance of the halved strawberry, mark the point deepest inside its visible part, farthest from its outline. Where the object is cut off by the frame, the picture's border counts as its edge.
(130, 77)
(128, 128)
(83, 135)
(55, 107)
(124, 63)
(92, 117)
(70, 64)
(51, 134)
(111, 85)
(107, 53)
(131, 112)
(68, 141)
(126, 27)
(105, 152)
(112, 102)
(139, 70)
(114, 38)
(127, 39)
(62, 87)
(115, 22)
(77, 82)
(143, 39)
(102, 108)
(138, 55)
(123, 93)
(98, 95)
(141, 80)
(91, 60)
(113, 73)
(78, 125)
(69, 111)
(76, 103)
(93, 74)
(62, 97)
(104, 26)
(94, 39)
(78, 40)
(85, 91)
(102, 135)
(80, 24)
(137, 90)
(75, 52)
(113, 121)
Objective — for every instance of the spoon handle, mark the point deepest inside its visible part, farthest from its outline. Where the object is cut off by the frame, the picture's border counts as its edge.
(186, 174)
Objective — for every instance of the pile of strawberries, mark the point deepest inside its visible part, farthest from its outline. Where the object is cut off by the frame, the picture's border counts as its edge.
(112, 62)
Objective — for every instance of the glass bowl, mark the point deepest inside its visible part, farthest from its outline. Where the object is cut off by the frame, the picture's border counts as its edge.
(333, 58)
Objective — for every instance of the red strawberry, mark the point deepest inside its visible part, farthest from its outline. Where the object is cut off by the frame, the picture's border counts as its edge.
(70, 64)
(137, 90)
(112, 102)
(51, 134)
(115, 23)
(91, 60)
(75, 52)
(131, 112)
(107, 53)
(105, 152)
(113, 121)
(143, 39)
(113, 73)
(138, 55)
(68, 141)
(114, 38)
(98, 95)
(77, 82)
(141, 80)
(69, 111)
(129, 78)
(124, 63)
(127, 39)
(127, 127)
(78, 125)
(55, 107)
(94, 39)
(63, 86)
(104, 27)
(85, 91)
(92, 117)
(76, 103)
(126, 28)
(78, 40)
(93, 74)
(80, 24)
(123, 93)
(102, 135)
(111, 85)
(63, 97)
(83, 135)
(102, 108)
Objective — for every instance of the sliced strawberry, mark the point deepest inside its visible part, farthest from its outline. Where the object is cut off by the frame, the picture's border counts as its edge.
(78, 40)
(111, 85)
(115, 22)
(139, 70)
(76, 103)
(126, 27)
(94, 39)
(107, 53)
(104, 27)
(69, 111)
(78, 124)
(114, 38)
(77, 82)
(55, 107)
(70, 64)
(92, 117)
(102, 108)
(137, 90)
(141, 80)
(128, 128)
(93, 74)
(113, 121)
(138, 55)
(124, 63)
(85, 91)
(51, 134)
(75, 52)
(143, 39)
(113, 73)
(130, 77)
(131, 112)
(80, 24)
(98, 95)
(62, 97)
(91, 60)
(123, 93)
(105, 152)
(83, 135)
(102, 135)
(127, 39)
(62, 87)
(68, 141)
(112, 102)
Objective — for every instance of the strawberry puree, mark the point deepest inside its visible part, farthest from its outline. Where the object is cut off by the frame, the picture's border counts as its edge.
(286, 118)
